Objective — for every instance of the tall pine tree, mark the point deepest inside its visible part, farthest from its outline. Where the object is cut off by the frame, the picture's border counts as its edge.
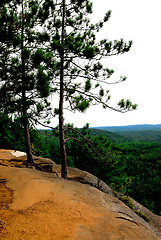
(79, 76)
(24, 80)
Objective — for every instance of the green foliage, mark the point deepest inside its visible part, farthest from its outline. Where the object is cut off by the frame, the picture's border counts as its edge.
(82, 105)
(23, 72)
(43, 86)
(88, 85)
(5, 132)
(39, 146)
(143, 135)
(111, 136)
(127, 201)
(127, 104)
(12, 137)
(142, 215)
(101, 93)
(140, 163)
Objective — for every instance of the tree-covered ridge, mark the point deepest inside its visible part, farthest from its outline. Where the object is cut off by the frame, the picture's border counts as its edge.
(129, 136)
(113, 137)
(137, 127)
(143, 136)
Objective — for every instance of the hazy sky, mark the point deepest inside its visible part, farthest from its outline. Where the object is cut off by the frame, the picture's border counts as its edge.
(140, 21)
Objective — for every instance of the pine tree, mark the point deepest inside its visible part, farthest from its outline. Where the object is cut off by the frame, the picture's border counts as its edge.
(79, 76)
(24, 80)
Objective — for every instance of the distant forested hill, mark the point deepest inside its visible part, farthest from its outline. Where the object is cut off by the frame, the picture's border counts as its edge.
(140, 127)
(131, 133)
(143, 136)
(111, 136)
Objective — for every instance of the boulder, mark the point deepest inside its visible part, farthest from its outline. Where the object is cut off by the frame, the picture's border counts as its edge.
(75, 174)
(19, 159)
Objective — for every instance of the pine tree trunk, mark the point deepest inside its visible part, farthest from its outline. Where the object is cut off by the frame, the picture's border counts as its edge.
(61, 101)
(24, 108)
(27, 139)
(62, 147)
(13, 132)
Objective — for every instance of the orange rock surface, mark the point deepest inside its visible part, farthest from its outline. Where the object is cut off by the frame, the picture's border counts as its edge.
(36, 205)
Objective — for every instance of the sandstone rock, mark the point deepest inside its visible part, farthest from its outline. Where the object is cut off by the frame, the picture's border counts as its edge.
(153, 219)
(44, 206)
(47, 207)
(75, 174)
(88, 178)
(19, 159)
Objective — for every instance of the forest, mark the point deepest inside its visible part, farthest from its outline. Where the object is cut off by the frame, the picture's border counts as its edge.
(131, 167)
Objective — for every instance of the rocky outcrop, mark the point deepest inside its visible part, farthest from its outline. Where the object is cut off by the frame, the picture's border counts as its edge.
(84, 177)
(19, 159)
(153, 219)
(36, 205)
(47, 207)
(48, 165)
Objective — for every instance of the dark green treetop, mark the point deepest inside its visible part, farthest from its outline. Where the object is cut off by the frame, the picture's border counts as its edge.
(23, 59)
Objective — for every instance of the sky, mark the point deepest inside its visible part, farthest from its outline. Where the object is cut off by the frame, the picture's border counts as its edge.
(139, 21)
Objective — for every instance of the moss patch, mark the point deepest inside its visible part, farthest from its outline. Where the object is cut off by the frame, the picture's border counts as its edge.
(129, 203)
